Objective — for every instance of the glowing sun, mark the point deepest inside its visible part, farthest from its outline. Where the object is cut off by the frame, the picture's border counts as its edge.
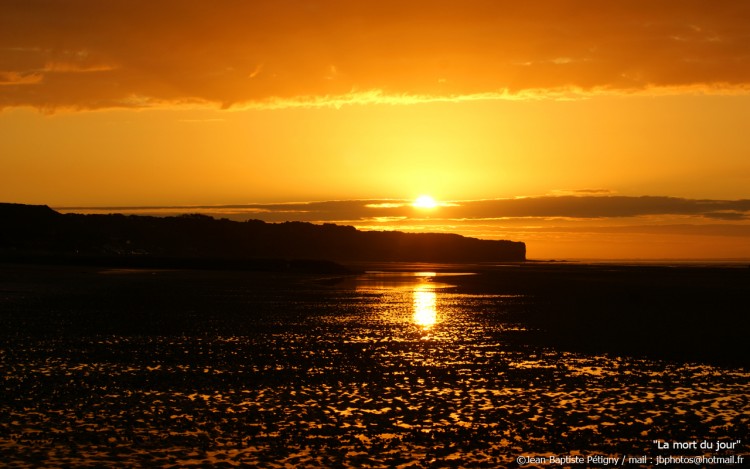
(424, 201)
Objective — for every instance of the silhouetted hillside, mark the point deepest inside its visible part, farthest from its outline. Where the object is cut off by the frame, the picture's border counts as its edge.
(38, 230)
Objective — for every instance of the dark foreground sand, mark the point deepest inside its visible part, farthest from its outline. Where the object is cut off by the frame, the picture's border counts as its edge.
(171, 368)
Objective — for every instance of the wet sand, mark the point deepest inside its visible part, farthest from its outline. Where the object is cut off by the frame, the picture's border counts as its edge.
(174, 368)
(689, 312)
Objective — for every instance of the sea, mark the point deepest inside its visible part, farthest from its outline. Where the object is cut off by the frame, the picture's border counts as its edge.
(395, 366)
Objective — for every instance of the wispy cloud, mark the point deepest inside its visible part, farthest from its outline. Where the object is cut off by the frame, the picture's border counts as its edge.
(19, 78)
(75, 67)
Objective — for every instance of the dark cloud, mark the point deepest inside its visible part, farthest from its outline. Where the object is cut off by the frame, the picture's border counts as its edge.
(134, 53)
(572, 207)
(719, 229)
(727, 216)
(598, 207)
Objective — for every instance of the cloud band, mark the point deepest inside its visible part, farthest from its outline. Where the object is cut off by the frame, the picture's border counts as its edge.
(87, 54)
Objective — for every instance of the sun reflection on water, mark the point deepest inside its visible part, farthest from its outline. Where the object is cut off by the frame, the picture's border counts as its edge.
(416, 291)
(425, 306)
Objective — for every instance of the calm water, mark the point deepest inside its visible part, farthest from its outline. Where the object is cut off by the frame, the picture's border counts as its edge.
(386, 370)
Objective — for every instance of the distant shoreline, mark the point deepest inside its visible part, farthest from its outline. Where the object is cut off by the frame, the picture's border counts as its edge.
(37, 230)
(181, 263)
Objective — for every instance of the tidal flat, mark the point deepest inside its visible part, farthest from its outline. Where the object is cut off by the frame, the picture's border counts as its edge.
(402, 366)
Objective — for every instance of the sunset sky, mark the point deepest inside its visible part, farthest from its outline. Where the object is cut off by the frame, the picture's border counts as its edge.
(587, 129)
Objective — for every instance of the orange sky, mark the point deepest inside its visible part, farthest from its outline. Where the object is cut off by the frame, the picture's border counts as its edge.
(563, 103)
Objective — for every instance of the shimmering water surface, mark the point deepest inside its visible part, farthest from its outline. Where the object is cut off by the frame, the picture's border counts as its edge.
(382, 370)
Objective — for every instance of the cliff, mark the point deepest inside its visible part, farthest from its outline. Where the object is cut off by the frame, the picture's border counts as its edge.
(38, 230)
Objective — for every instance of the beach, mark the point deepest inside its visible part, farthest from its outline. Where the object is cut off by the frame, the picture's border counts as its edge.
(401, 366)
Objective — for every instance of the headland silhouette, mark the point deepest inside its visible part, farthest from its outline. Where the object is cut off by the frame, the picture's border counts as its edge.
(39, 232)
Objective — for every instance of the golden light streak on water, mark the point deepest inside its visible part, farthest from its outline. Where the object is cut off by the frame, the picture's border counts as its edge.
(425, 306)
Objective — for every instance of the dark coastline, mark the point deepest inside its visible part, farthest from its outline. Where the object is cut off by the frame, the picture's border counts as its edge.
(37, 231)
(301, 266)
